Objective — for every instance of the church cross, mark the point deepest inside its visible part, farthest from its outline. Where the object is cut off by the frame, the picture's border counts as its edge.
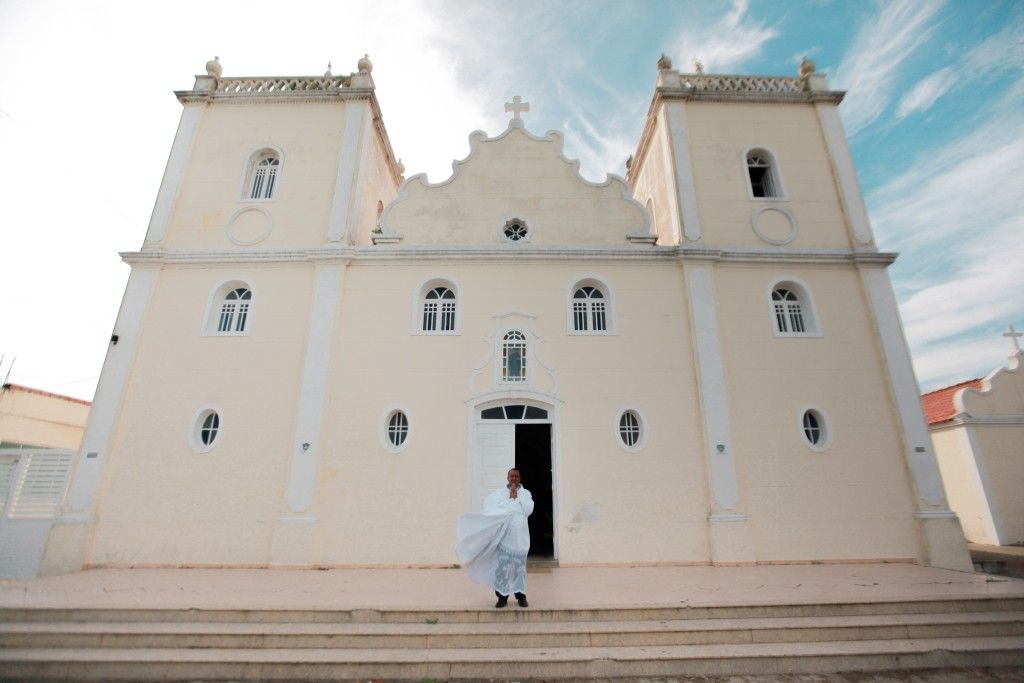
(517, 107)
(1014, 335)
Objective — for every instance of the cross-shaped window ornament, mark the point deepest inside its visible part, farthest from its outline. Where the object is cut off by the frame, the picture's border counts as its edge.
(1014, 335)
(517, 107)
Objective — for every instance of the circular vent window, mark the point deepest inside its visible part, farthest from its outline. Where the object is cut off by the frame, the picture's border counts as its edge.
(516, 230)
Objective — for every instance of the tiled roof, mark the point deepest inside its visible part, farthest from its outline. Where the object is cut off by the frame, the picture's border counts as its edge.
(30, 390)
(938, 404)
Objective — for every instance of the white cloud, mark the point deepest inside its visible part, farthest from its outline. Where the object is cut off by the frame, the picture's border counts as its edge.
(956, 214)
(871, 67)
(726, 44)
(923, 95)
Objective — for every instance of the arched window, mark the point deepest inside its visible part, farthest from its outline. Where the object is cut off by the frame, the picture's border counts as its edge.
(264, 169)
(439, 308)
(513, 357)
(588, 310)
(792, 310)
(234, 310)
(763, 174)
(789, 315)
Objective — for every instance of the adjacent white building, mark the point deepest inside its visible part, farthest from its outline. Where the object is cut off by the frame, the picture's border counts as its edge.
(320, 362)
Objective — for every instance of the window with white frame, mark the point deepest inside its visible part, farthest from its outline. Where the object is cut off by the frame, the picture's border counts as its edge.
(439, 308)
(263, 173)
(234, 310)
(629, 428)
(792, 310)
(815, 428)
(763, 174)
(789, 314)
(513, 357)
(589, 311)
(206, 427)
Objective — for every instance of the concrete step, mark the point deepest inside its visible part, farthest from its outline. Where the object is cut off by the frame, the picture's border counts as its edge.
(508, 635)
(294, 664)
(513, 614)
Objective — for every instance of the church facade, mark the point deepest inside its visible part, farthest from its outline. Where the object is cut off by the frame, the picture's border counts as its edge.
(319, 362)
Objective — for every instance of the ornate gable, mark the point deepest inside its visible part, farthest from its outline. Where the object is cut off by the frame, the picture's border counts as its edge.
(515, 189)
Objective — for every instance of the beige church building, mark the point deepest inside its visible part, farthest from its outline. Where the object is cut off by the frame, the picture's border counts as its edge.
(320, 362)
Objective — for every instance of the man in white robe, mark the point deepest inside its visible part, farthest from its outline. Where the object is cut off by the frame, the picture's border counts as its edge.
(493, 544)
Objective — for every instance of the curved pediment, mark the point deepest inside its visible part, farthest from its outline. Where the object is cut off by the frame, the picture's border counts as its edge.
(1000, 393)
(515, 176)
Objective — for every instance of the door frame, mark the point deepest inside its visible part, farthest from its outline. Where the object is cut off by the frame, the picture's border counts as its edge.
(538, 399)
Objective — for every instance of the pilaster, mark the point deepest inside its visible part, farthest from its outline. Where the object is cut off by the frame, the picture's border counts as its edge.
(66, 547)
(686, 194)
(342, 206)
(845, 175)
(730, 534)
(939, 529)
(177, 162)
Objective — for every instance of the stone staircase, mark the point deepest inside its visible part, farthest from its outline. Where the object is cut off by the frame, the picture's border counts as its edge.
(510, 644)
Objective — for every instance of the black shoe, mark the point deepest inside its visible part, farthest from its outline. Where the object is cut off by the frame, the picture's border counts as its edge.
(502, 601)
(521, 599)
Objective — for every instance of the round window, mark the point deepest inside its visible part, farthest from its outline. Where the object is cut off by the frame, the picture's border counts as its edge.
(516, 230)
(205, 430)
(629, 429)
(398, 428)
(815, 429)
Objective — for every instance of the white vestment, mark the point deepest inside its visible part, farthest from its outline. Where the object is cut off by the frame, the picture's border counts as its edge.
(493, 544)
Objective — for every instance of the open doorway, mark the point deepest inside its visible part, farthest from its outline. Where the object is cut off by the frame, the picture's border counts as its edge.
(533, 460)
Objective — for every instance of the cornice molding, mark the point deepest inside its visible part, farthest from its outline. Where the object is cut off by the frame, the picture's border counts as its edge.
(524, 254)
(964, 419)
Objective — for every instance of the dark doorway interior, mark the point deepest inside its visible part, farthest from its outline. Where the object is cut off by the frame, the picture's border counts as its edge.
(533, 460)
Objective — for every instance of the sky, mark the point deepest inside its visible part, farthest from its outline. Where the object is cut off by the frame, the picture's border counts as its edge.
(934, 115)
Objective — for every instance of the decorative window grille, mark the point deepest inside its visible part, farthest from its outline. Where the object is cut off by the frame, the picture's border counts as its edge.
(234, 311)
(629, 428)
(513, 357)
(516, 230)
(398, 428)
(264, 177)
(514, 412)
(789, 315)
(439, 310)
(815, 429)
(208, 428)
(588, 310)
(39, 489)
(762, 177)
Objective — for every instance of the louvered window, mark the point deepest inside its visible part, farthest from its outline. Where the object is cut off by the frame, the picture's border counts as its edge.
(588, 310)
(439, 310)
(39, 489)
(264, 177)
(234, 310)
(789, 316)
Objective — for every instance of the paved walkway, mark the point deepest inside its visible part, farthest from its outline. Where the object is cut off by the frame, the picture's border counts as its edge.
(341, 589)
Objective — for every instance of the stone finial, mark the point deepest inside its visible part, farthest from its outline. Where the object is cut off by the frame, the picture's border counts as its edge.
(328, 74)
(698, 66)
(401, 167)
(629, 162)
(365, 66)
(664, 63)
(807, 67)
(213, 68)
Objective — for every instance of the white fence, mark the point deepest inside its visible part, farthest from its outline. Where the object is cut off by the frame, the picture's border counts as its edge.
(32, 486)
